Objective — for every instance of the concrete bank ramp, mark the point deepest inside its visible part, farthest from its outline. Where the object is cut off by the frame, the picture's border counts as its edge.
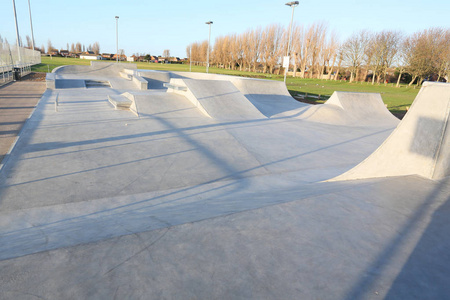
(269, 96)
(218, 99)
(155, 79)
(95, 69)
(164, 105)
(75, 76)
(349, 108)
(419, 145)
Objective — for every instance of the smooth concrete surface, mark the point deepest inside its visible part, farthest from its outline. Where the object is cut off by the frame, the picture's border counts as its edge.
(170, 203)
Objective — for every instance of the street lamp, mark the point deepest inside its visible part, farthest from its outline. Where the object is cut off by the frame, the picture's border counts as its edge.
(209, 42)
(117, 39)
(17, 31)
(292, 4)
(31, 24)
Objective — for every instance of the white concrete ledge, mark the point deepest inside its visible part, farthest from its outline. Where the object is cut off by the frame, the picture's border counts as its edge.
(119, 101)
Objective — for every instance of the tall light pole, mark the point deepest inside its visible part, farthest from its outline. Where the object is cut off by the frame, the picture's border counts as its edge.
(209, 42)
(31, 24)
(117, 39)
(17, 31)
(292, 4)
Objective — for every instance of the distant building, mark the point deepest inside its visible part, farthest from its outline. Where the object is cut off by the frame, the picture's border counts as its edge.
(64, 53)
(122, 57)
(87, 55)
(107, 56)
(132, 58)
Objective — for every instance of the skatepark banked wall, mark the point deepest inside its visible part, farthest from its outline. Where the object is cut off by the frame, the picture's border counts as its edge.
(419, 145)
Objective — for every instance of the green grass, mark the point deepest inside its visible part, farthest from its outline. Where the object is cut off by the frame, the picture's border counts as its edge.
(397, 99)
(48, 64)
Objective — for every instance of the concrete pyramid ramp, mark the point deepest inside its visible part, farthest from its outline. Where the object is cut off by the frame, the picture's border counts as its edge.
(419, 145)
(218, 99)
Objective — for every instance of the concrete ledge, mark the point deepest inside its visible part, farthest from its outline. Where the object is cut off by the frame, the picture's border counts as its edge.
(125, 75)
(140, 82)
(175, 87)
(119, 101)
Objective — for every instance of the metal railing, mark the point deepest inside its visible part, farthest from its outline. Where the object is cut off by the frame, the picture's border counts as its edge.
(16, 60)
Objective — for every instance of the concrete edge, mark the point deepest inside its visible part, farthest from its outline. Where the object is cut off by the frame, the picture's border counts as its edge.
(24, 127)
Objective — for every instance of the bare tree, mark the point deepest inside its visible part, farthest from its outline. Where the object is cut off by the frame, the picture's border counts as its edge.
(402, 59)
(442, 59)
(424, 51)
(383, 49)
(29, 43)
(96, 48)
(353, 52)
(296, 47)
(329, 55)
(166, 54)
(42, 48)
(272, 46)
(49, 46)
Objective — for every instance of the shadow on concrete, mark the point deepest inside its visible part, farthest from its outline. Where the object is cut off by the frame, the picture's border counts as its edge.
(425, 275)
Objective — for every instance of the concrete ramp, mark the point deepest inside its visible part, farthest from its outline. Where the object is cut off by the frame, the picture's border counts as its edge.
(95, 69)
(349, 108)
(69, 83)
(218, 99)
(269, 96)
(419, 145)
(155, 79)
(163, 105)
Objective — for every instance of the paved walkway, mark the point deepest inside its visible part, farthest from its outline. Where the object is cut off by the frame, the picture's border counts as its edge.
(17, 101)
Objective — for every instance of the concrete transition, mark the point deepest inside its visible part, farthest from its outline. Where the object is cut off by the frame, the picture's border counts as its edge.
(421, 143)
(138, 184)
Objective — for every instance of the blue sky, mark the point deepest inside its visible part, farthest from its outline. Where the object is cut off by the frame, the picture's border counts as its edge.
(152, 26)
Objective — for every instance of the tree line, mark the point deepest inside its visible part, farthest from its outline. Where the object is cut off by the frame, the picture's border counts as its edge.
(317, 53)
(74, 47)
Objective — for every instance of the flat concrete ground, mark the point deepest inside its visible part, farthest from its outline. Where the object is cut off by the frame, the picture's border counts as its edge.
(17, 101)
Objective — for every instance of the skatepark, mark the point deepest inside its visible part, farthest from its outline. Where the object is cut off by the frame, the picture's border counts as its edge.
(138, 184)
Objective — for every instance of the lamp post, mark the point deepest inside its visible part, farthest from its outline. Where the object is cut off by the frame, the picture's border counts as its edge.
(17, 32)
(31, 24)
(292, 4)
(117, 39)
(209, 42)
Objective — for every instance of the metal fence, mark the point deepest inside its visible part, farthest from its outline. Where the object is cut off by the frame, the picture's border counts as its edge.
(19, 62)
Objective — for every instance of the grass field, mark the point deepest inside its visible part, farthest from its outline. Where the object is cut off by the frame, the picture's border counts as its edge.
(396, 99)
